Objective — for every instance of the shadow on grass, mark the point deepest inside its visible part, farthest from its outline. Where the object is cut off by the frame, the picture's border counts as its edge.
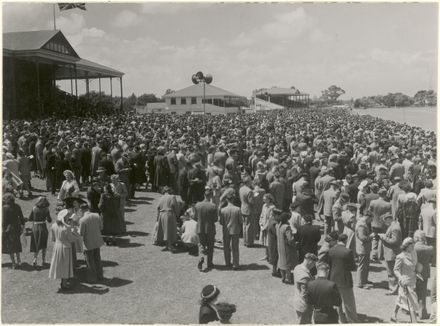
(115, 282)
(125, 243)
(85, 288)
(137, 233)
(248, 267)
(23, 267)
(108, 263)
(129, 210)
(128, 223)
(362, 318)
(380, 285)
(376, 268)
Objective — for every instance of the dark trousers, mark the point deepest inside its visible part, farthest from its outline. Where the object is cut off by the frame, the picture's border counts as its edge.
(431, 242)
(377, 246)
(328, 227)
(231, 241)
(392, 279)
(362, 270)
(328, 316)
(248, 230)
(206, 247)
(94, 267)
(421, 291)
(51, 181)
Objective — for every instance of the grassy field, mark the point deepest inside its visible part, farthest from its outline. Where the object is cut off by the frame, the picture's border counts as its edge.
(145, 285)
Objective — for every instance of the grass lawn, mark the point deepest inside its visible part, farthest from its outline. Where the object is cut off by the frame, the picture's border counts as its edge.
(145, 285)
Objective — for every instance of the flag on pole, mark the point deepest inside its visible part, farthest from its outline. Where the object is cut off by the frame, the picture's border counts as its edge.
(67, 6)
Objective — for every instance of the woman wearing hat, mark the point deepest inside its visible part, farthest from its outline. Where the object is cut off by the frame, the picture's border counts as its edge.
(69, 186)
(39, 216)
(287, 251)
(109, 205)
(13, 225)
(61, 266)
(120, 189)
(406, 269)
(211, 310)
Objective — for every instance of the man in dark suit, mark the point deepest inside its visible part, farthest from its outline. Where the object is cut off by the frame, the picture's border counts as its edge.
(307, 236)
(425, 254)
(323, 296)
(206, 216)
(391, 239)
(231, 220)
(341, 265)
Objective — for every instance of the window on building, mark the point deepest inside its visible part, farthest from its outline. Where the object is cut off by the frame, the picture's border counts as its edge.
(173, 101)
(183, 100)
(193, 100)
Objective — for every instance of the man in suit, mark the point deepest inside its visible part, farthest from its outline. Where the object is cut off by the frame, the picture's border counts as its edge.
(378, 207)
(337, 209)
(391, 239)
(90, 226)
(328, 199)
(231, 220)
(247, 211)
(206, 215)
(341, 265)
(302, 275)
(363, 249)
(308, 236)
(425, 254)
(323, 295)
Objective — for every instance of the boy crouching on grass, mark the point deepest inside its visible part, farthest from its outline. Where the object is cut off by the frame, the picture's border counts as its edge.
(188, 232)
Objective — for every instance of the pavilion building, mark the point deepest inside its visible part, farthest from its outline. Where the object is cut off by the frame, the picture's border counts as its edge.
(32, 64)
(279, 98)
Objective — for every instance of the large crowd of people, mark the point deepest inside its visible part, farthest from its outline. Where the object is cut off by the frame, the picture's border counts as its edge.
(272, 178)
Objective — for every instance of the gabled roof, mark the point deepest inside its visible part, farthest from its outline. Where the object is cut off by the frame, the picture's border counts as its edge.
(21, 41)
(197, 91)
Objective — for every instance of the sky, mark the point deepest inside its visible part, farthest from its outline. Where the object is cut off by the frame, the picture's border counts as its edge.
(365, 48)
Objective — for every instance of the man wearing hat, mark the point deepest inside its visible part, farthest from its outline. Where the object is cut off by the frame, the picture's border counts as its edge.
(341, 261)
(393, 194)
(396, 169)
(302, 275)
(323, 295)
(205, 214)
(391, 239)
(231, 219)
(329, 241)
(378, 207)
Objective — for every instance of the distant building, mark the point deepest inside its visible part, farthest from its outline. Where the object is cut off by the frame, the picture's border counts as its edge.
(190, 101)
(278, 98)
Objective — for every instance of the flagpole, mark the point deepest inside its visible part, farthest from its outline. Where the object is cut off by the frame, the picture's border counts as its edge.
(54, 20)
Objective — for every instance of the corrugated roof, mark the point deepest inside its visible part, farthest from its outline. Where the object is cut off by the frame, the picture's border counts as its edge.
(197, 91)
(21, 41)
(93, 65)
(280, 91)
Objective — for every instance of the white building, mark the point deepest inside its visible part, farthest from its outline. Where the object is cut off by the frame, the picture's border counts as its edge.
(190, 101)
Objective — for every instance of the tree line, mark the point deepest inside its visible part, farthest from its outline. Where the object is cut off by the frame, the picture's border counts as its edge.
(421, 98)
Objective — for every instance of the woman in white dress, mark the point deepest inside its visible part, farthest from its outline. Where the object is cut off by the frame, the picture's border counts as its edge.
(61, 266)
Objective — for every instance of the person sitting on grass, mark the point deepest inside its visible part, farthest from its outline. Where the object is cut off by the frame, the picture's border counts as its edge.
(188, 232)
